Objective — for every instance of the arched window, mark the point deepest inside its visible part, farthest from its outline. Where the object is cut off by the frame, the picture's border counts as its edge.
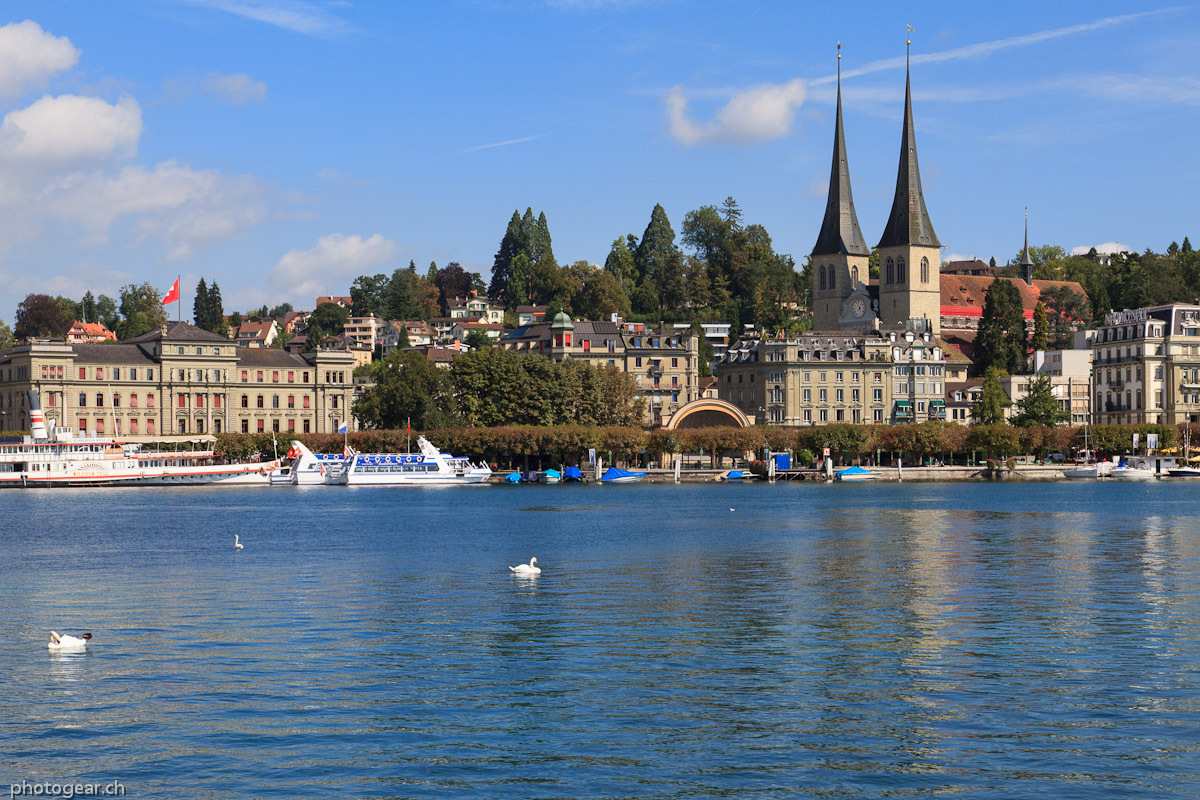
(891, 272)
(832, 276)
(924, 270)
(820, 279)
(899, 270)
(853, 277)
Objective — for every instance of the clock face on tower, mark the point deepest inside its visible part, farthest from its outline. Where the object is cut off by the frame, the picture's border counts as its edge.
(858, 307)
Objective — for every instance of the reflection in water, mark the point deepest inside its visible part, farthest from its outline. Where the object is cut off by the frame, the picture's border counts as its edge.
(833, 641)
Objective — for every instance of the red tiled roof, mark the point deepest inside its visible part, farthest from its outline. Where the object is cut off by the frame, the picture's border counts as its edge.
(963, 295)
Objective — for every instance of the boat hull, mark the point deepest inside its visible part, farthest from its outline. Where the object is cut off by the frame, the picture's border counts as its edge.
(1132, 474)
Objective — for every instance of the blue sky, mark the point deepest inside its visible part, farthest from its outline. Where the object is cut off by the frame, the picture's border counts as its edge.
(283, 147)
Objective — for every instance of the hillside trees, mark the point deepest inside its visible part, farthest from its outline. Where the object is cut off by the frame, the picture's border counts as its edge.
(1001, 339)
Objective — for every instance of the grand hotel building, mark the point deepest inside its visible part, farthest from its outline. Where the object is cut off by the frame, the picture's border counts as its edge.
(178, 381)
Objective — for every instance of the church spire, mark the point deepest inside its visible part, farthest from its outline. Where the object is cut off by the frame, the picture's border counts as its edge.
(1026, 263)
(909, 222)
(840, 233)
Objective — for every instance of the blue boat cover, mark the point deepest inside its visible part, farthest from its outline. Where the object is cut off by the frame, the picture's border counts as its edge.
(552, 473)
(531, 476)
(735, 475)
(512, 477)
(613, 473)
(853, 471)
(572, 474)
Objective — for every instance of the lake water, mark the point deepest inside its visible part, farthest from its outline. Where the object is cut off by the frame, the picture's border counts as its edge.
(1005, 640)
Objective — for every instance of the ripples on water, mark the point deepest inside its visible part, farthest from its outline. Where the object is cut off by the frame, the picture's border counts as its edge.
(992, 641)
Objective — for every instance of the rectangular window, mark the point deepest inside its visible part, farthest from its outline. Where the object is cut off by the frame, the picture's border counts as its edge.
(245, 401)
(674, 362)
(824, 415)
(99, 427)
(99, 374)
(305, 374)
(133, 427)
(82, 399)
(260, 401)
(291, 376)
(116, 401)
(840, 395)
(877, 395)
(637, 362)
(99, 399)
(275, 376)
(306, 425)
(45, 371)
(306, 404)
(150, 401)
(82, 425)
(260, 376)
(274, 401)
(261, 426)
(838, 377)
(83, 373)
(245, 426)
(245, 378)
(808, 395)
(116, 374)
(291, 401)
(182, 401)
(150, 427)
(275, 425)
(216, 401)
(291, 426)
(823, 396)
(181, 375)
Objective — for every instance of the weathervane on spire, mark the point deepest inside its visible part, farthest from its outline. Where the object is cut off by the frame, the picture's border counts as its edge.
(839, 54)
(907, 44)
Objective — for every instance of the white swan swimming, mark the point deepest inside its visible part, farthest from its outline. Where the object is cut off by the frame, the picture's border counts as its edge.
(527, 570)
(65, 642)
(236, 544)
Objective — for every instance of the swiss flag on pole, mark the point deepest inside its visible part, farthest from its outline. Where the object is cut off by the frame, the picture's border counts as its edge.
(172, 296)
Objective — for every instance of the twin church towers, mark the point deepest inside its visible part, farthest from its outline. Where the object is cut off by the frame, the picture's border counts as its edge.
(909, 290)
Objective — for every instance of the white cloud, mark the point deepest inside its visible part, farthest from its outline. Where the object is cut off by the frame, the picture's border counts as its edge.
(234, 90)
(182, 207)
(1105, 248)
(29, 57)
(297, 16)
(751, 115)
(333, 262)
(237, 89)
(70, 129)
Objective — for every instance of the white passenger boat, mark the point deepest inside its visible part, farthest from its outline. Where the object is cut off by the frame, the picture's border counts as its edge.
(425, 468)
(306, 468)
(54, 457)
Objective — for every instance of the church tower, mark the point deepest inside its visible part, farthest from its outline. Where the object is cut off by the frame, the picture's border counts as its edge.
(839, 258)
(909, 252)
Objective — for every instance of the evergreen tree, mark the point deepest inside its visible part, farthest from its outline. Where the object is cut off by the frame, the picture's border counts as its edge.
(106, 312)
(200, 310)
(731, 213)
(88, 307)
(1041, 327)
(992, 400)
(216, 311)
(992, 262)
(620, 263)
(658, 242)
(401, 295)
(510, 245)
(541, 248)
(520, 281)
(1040, 406)
(1186, 247)
(1001, 339)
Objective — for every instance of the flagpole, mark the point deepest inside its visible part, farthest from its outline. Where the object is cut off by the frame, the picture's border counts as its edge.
(179, 300)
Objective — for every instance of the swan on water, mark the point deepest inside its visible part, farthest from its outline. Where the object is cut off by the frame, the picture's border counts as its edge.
(527, 570)
(66, 642)
(236, 544)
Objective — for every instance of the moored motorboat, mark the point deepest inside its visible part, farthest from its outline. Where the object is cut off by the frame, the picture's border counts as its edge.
(855, 474)
(1089, 470)
(617, 475)
(572, 475)
(1134, 469)
(551, 476)
(307, 468)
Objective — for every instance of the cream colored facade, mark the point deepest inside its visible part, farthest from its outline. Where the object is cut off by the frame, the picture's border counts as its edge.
(1146, 366)
(823, 378)
(185, 381)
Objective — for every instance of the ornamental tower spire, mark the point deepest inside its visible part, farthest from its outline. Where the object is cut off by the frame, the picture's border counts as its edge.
(1026, 263)
(840, 232)
(909, 221)
(840, 256)
(909, 251)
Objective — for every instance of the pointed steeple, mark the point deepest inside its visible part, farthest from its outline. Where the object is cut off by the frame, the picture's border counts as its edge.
(909, 222)
(1026, 263)
(840, 233)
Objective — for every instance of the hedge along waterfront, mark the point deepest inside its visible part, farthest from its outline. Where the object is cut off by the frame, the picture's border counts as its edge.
(529, 446)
